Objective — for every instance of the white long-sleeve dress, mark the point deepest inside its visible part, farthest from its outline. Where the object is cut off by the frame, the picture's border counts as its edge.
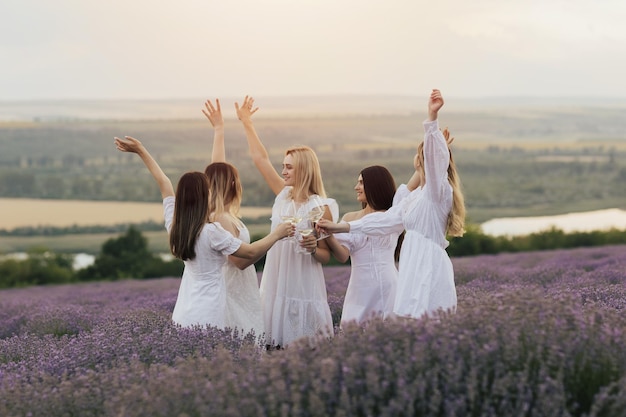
(293, 289)
(202, 294)
(373, 277)
(243, 300)
(425, 273)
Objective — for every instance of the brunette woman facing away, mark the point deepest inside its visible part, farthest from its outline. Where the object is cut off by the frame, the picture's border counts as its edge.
(373, 277)
(202, 245)
(293, 290)
(243, 300)
(429, 207)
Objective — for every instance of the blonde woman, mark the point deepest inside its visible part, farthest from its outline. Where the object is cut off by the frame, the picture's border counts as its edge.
(243, 301)
(293, 290)
(429, 207)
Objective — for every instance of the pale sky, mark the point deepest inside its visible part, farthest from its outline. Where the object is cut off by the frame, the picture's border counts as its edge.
(84, 49)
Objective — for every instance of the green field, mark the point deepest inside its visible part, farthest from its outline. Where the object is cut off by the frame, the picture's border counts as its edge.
(514, 159)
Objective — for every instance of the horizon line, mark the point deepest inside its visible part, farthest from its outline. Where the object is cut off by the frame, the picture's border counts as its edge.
(320, 96)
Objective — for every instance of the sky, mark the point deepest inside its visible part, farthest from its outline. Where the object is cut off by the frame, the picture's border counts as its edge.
(140, 49)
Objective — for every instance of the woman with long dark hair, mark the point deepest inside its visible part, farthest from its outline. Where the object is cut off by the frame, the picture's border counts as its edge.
(430, 207)
(373, 276)
(203, 245)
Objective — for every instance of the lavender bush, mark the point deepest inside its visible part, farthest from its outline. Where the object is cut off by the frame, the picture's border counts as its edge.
(535, 334)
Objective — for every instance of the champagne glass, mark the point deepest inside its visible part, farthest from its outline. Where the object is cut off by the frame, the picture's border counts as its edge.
(317, 208)
(289, 213)
(307, 230)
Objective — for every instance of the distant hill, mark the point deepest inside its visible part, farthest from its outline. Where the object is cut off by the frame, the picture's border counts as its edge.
(312, 106)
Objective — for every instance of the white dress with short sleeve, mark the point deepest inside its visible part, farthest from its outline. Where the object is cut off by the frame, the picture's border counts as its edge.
(293, 289)
(243, 300)
(426, 276)
(202, 293)
(373, 278)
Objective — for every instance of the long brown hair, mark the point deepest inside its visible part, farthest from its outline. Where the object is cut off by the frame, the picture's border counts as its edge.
(380, 187)
(308, 174)
(191, 213)
(226, 189)
(456, 217)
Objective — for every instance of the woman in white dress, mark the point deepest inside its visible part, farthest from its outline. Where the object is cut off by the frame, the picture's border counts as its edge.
(243, 300)
(201, 244)
(293, 290)
(429, 207)
(373, 277)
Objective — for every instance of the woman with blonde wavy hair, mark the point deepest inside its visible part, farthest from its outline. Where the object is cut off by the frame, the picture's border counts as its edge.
(243, 302)
(429, 207)
(293, 290)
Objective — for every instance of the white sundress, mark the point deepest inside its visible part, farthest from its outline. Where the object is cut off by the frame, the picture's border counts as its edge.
(202, 294)
(373, 277)
(243, 299)
(293, 289)
(426, 276)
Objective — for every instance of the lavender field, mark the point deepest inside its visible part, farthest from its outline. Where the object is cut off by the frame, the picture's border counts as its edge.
(535, 334)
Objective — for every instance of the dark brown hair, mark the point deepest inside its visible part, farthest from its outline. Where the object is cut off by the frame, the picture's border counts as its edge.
(379, 187)
(191, 213)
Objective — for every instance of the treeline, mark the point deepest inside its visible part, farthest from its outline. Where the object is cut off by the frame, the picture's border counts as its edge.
(475, 242)
(81, 230)
(127, 256)
(524, 165)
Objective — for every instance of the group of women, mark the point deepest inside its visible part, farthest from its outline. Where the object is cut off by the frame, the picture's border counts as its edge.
(219, 285)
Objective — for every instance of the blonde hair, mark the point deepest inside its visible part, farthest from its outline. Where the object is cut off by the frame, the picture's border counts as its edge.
(456, 217)
(308, 174)
(226, 189)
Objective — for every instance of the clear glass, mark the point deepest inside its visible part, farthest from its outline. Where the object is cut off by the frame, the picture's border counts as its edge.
(317, 208)
(289, 213)
(307, 230)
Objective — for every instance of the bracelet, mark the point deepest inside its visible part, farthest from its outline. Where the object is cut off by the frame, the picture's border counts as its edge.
(313, 252)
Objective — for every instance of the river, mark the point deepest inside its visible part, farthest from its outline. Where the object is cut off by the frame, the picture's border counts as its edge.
(570, 222)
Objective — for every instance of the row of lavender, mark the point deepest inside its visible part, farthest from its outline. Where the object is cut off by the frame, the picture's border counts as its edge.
(538, 333)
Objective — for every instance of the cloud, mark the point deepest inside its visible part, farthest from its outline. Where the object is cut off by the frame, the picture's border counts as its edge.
(189, 48)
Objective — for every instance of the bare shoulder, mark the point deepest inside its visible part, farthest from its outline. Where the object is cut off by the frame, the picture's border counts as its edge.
(226, 221)
(353, 215)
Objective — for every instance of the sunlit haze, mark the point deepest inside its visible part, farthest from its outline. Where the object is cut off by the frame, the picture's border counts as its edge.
(73, 49)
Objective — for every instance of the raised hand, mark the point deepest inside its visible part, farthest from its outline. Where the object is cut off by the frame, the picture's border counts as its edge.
(435, 102)
(214, 113)
(446, 135)
(246, 110)
(128, 144)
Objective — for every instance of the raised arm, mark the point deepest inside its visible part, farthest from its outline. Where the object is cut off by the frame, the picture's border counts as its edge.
(259, 154)
(436, 151)
(418, 176)
(433, 155)
(129, 144)
(214, 114)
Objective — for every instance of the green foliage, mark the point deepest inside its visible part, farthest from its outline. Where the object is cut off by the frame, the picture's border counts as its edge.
(128, 257)
(39, 268)
(475, 242)
(40, 230)
(532, 162)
